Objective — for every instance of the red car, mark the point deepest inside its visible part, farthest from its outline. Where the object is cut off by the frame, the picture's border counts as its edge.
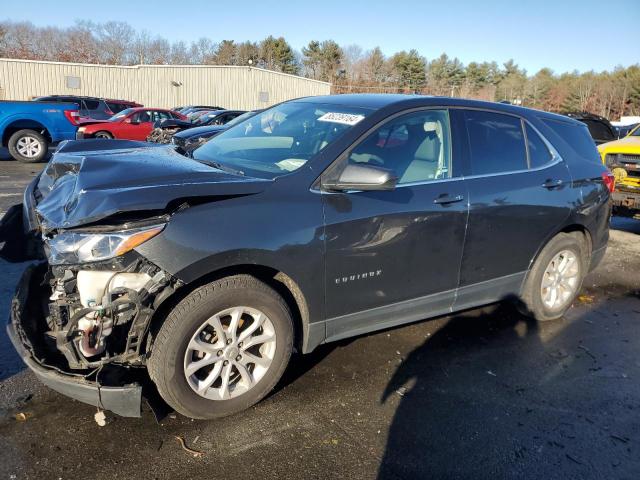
(130, 124)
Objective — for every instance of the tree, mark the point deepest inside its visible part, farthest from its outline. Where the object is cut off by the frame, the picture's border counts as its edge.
(226, 53)
(409, 68)
(445, 75)
(312, 59)
(511, 85)
(113, 40)
(276, 54)
(247, 51)
(375, 67)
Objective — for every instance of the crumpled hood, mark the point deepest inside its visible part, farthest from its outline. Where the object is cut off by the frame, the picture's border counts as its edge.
(87, 181)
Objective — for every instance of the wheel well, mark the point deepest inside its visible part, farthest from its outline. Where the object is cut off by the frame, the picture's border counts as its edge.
(586, 237)
(576, 229)
(279, 281)
(21, 125)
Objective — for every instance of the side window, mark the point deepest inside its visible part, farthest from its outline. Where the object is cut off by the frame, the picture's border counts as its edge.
(496, 142)
(156, 116)
(91, 104)
(416, 146)
(144, 116)
(539, 154)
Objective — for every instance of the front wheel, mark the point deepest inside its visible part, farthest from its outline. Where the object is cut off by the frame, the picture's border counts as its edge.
(28, 146)
(223, 348)
(556, 277)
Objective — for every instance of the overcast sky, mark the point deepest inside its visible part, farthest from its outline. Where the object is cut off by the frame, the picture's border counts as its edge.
(562, 35)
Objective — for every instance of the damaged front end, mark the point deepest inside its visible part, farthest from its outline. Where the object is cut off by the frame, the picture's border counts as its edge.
(83, 328)
(81, 315)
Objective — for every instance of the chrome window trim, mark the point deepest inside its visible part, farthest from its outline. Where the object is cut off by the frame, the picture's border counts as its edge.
(556, 158)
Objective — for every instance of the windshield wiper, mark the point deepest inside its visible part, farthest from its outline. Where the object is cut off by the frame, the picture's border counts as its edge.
(219, 166)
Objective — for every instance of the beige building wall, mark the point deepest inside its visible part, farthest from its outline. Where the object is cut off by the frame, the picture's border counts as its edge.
(156, 85)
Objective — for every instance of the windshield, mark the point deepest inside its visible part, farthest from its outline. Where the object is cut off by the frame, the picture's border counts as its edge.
(635, 132)
(279, 140)
(121, 115)
(240, 118)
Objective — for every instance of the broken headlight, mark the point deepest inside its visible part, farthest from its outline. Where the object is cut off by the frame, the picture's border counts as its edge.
(82, 247)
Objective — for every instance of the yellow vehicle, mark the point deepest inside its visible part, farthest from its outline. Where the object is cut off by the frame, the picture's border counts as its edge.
(622, 157)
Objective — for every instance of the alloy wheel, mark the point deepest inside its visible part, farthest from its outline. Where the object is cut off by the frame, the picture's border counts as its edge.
(230, 353)
(560, 280)
(28, 147)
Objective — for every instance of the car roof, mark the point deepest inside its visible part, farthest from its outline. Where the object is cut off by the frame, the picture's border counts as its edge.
(87, 97)
(376, 101)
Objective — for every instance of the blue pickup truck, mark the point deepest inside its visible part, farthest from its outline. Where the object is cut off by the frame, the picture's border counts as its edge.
(27, 128)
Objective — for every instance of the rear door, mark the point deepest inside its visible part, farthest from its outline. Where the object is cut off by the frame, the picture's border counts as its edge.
(394, 256)
(520, 193)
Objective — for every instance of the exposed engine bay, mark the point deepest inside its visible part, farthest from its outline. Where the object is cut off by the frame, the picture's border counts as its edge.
(94, 316)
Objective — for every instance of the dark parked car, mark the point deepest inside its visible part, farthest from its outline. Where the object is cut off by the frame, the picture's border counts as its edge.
(192, 108)
(164, 130)
(599, 127)
(624, 130)
(318, 219)
(92, 108)
(192, 138)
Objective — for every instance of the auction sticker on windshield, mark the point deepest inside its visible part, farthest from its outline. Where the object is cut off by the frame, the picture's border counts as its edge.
(344, 118)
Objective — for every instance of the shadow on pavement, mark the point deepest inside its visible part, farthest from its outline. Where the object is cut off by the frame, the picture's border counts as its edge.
(471, 408)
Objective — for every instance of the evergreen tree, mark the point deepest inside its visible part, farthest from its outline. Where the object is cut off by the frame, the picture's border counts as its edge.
(409, 68)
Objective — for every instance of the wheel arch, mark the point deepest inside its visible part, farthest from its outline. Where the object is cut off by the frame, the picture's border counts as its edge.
(22, 124)
(570, 228)
(282, 283)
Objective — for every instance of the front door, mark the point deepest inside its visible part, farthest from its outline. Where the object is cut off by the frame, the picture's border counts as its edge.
(394, 256)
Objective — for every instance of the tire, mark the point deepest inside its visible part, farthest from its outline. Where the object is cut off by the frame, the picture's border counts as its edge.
(28, 146)
(103, 134)
(534, 294)
(171, 353)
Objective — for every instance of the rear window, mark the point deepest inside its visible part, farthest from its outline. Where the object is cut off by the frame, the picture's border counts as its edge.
(599, 130)
(496, 142)
(117, 107)
(577, 137)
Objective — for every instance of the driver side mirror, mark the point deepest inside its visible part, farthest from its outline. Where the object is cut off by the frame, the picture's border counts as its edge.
(363, 177)
(131, 121)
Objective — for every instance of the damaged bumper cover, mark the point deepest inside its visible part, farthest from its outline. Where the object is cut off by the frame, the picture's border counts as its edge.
(123, 400)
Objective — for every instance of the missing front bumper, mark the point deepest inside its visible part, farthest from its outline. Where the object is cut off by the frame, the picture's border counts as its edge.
(123, 399)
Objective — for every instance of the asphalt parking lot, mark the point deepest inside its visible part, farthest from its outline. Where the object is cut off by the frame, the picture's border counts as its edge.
(481, 394)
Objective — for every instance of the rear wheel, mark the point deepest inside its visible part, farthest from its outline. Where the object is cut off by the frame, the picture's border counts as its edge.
(223, 348)
(556, 277)
(28, 146)
(103, 135)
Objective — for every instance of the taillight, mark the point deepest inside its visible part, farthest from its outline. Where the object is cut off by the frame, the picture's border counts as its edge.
(73, 116)
(609, 180)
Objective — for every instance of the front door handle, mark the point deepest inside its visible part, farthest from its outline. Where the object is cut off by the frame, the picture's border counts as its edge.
(549, 184)
(446, 198)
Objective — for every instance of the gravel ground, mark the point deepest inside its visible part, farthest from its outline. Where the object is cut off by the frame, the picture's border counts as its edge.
(481, 394)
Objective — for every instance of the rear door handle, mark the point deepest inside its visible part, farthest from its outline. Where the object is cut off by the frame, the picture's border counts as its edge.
(446, 198)
(552, 184)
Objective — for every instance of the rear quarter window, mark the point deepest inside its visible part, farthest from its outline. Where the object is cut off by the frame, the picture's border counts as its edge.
(577, 137)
